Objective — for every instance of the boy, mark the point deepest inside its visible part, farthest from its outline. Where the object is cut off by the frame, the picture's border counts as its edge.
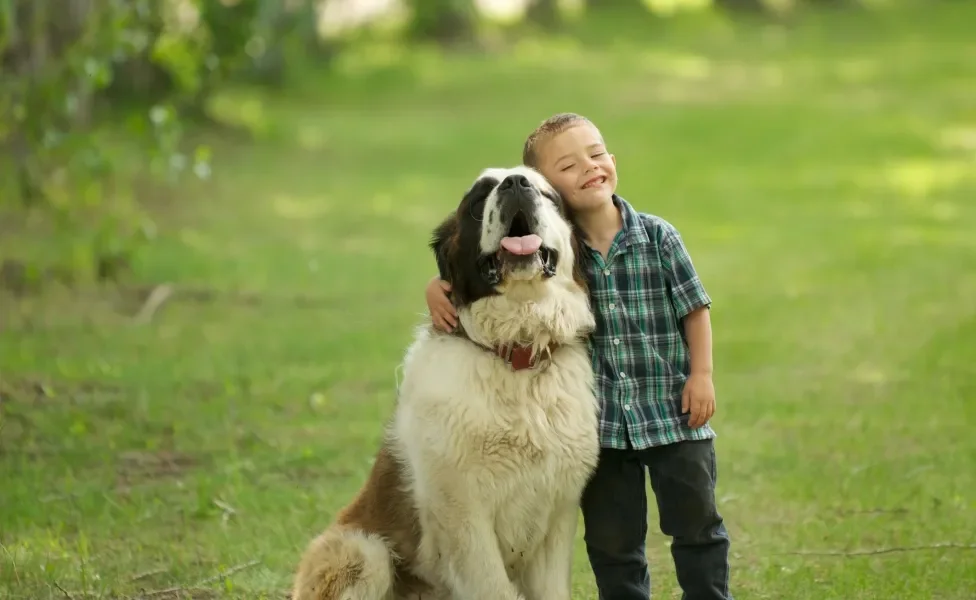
(651, 355)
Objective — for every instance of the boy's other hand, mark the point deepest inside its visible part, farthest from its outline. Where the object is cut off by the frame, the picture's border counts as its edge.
(699, 398)
(442, 312)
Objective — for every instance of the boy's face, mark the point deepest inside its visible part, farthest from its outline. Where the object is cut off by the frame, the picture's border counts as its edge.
(578, 165)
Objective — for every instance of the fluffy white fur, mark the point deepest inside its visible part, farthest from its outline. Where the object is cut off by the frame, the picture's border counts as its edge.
(498, 459)
(495, 459)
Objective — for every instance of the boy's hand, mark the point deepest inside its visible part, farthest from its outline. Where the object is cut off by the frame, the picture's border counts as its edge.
(441, 310)
(698, 397)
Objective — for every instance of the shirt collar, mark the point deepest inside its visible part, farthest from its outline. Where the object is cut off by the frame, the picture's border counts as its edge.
(633, 228)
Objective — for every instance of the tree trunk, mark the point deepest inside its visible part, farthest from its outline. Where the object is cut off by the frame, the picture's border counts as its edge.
(616, 5)
(833, 3)
(742, 6)
(445, 21)
(544, 12)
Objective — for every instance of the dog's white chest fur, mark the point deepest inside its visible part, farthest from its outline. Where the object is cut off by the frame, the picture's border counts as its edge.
(517, 445)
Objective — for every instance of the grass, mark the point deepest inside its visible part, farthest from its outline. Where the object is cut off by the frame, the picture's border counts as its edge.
(822, 175)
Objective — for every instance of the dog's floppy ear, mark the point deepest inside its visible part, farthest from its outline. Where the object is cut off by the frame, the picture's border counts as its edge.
(580, 254)
(444, 243)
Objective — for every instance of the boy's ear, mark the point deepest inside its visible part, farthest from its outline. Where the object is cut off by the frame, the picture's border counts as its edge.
(444, 243)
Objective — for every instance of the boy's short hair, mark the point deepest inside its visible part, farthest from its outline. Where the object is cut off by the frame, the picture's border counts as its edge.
(554, 125)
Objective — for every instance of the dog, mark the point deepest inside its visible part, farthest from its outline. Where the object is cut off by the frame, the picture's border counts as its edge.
(474, 492)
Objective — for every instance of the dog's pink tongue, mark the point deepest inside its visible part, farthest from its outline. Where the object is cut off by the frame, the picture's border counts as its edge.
(526, 244)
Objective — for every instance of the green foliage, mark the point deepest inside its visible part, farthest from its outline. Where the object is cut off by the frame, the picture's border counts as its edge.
(60, 57)
(74, 67)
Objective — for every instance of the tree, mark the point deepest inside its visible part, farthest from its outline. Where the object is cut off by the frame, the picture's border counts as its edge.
(544, 12)
(58, 57)
(742, 6)
(444, 21)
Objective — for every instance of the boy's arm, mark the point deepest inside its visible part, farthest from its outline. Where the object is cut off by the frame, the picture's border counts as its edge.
(442, 311)
(692, 305)
(687, 291)
(698, 395)
(690, 300)
(698, 332)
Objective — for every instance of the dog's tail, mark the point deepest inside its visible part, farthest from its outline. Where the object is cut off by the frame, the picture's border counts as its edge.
(345, 563)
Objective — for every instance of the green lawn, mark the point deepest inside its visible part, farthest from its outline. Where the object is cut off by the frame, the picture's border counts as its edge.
(822, 174)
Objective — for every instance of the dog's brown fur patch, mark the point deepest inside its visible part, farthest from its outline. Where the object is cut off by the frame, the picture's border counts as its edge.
(383, 508)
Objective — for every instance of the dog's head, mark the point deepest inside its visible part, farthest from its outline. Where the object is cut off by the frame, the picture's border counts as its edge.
(511, 226)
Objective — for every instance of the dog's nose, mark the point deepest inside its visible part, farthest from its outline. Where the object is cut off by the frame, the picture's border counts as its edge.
(514, 181)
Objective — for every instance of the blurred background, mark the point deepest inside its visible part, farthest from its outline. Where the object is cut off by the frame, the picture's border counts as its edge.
(214, 218)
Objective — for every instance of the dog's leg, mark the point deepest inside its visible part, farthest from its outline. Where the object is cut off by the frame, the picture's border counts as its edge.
(474, 564)
(465, 548)
(548, 574)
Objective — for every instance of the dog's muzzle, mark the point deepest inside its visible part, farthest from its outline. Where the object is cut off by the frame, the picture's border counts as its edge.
(490, 268)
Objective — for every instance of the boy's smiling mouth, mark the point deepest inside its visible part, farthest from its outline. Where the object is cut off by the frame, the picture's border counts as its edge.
(594, 181)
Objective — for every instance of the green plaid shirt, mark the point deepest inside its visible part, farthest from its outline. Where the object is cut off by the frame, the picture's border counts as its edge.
(640, 359)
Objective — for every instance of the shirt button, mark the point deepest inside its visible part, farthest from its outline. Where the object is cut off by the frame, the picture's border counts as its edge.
(626, 407)
(623, 375)
(616, 341)
(611, 306)
(606, 272)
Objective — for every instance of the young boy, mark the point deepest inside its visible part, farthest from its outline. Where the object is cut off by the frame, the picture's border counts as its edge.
(651, 355)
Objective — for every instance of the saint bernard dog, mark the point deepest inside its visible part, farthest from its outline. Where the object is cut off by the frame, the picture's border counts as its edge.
(475, 491)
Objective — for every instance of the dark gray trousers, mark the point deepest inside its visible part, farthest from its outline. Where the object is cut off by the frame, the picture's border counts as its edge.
(615, 520)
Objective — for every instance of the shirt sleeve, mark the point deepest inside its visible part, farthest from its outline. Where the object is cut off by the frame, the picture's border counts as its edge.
(687, 291)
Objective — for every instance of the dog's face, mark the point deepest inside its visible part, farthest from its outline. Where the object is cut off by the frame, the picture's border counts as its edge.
(510, 226)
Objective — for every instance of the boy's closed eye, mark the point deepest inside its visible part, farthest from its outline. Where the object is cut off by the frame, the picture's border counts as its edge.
(571, 165)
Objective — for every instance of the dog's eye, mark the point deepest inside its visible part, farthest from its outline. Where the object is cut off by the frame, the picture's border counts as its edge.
(477, 209)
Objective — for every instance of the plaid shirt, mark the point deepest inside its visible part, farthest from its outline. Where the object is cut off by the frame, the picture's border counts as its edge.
(640, 358)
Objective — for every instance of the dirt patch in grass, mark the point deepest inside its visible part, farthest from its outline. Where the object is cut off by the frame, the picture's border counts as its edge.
(136, 466)
(180, 594)
(35, 390)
